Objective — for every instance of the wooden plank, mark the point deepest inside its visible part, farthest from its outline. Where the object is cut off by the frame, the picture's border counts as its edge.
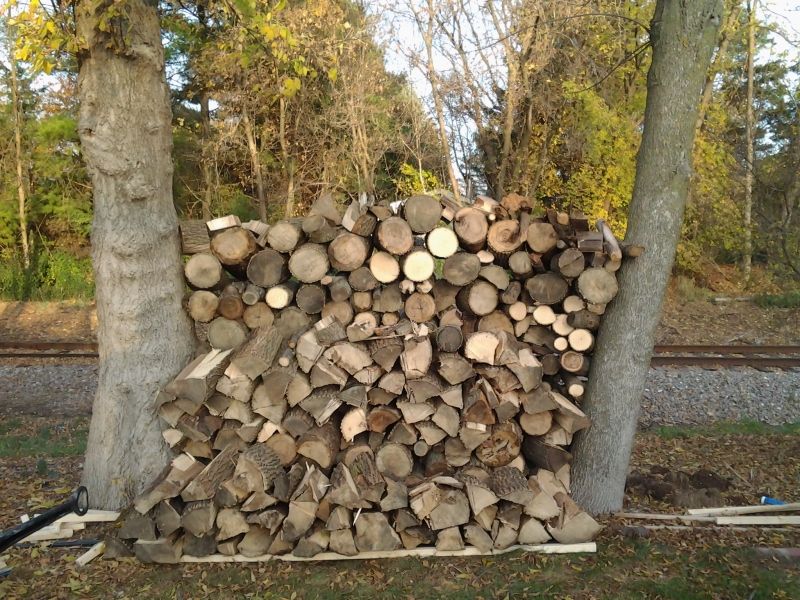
(663, 517)
(758, 520)
(92, 516)
(724, 511)
(45, 534)
(88, 556)
(418, 552)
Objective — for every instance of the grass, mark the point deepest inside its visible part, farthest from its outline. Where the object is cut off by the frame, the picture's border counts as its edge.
(745, 427)
(688, 291)
(31, 439)
(786, 300)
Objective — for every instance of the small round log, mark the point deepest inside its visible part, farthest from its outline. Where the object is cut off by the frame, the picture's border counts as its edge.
(442, 242)
(461, 269)
(420, 308)
(471, 228)
(203, 271)
(267, 268)
(384, 267)
(418, 265)
(310, 298)
(284, 236)
(203, 305)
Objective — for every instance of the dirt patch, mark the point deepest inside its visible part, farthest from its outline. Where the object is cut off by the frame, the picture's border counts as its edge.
(47, 322)
(703, 322)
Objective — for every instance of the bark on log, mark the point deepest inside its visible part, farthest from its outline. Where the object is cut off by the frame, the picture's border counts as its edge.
(309, 263)
(203, 271)
(348, 252)
(267, 268)
(394, 235)
(471, 228)
(233, 246)
(422, 213)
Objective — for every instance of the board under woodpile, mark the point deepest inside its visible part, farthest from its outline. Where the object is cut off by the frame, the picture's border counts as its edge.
(371, 380)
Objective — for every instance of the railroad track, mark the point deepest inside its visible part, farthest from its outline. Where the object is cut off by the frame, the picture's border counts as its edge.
(705, 356)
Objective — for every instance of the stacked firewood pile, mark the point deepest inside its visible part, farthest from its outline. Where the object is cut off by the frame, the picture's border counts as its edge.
(378, 380)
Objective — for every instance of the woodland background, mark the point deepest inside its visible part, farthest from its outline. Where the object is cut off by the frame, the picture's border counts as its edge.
(274, 103)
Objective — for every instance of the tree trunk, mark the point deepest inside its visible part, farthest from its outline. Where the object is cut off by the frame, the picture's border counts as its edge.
(205, 158)
(748, 173)
(255, 164)
(683, 35)
(16, 108)
(427, 32)
(144, 336)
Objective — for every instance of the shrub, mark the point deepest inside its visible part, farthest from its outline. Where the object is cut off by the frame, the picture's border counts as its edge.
(51, 275)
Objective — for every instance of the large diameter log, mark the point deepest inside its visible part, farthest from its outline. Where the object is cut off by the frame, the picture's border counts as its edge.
(504, 237)
(394, 235)
(203, 305)
(461, 269)
(442, 242)
(471, 228)
(478, 298)
(422, 213)
(548, 288)
(203, 271)
(418, 265)
(267, 268)
(348, 252)
(542, 237)
(309, 263)
(233, 246)
(284, 236)
(597, 285)
(570, 263)
(384, 267)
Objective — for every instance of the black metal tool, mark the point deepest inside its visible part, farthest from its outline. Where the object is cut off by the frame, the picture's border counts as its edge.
(78, 503)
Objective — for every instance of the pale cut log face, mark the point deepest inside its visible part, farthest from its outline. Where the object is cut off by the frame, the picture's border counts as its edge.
(389, 383)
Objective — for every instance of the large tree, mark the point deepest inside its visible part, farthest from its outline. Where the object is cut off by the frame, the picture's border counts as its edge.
(683, 34)
(143, 334)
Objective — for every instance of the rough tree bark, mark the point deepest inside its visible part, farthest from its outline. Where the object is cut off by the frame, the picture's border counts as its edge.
(683, 35)
(144, 336)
